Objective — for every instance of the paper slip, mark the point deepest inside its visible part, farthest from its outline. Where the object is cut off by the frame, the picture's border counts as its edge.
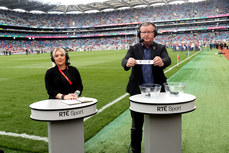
(70, 102)
(84, 99)
(144, 62)
(77, 101)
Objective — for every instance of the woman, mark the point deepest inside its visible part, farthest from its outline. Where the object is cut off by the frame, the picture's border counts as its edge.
(63, 81)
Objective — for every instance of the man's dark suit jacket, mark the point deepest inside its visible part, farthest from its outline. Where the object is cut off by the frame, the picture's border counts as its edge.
(135, 78)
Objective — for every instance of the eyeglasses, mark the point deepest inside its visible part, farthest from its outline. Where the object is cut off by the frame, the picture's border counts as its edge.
(147, 32)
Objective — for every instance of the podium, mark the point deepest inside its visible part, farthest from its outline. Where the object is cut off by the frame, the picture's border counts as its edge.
(65, 123)
(162, 120)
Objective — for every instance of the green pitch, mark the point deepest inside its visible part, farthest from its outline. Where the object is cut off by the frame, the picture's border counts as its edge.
(22, 83)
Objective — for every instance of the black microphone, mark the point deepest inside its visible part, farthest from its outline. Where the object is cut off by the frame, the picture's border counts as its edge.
(141, 40)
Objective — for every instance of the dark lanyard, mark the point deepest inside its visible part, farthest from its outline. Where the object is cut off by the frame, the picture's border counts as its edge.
(69, 81)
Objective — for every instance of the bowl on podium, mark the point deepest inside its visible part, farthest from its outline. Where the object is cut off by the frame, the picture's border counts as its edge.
(150, 90)
(174, 88)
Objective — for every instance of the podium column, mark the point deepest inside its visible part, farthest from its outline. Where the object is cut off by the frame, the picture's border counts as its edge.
(66, 136)
(162, 133)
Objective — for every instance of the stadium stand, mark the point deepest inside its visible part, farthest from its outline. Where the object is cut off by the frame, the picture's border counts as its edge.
(188, 23)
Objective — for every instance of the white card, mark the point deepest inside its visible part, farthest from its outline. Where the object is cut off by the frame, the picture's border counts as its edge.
(144, 61)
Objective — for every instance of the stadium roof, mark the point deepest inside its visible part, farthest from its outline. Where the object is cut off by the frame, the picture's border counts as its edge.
(30, 5)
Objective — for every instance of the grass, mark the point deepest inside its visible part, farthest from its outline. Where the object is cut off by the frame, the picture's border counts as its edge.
(206, 129)
(22, 83)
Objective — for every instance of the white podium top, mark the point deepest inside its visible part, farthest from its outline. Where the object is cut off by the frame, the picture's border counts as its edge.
(56, 110)
(163, 104)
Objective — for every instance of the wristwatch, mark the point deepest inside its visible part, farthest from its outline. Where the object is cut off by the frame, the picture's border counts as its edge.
(62, 97)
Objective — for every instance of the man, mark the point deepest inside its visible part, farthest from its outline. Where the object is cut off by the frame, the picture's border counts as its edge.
(147, 49)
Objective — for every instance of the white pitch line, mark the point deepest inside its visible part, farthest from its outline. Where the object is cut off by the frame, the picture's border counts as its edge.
(113, 102)
(33, 137)
(180, 62)
(109, 104)
(24, 135)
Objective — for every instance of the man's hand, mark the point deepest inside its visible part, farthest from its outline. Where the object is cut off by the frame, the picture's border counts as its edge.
(131, 62)
(157, 61)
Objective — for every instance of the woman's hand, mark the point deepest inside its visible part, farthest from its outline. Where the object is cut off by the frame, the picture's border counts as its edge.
(71, 96)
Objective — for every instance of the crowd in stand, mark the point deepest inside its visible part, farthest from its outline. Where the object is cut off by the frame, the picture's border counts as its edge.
(131, 31)
(159, 13)
(177, 42)
(188, 41)
(34, 46)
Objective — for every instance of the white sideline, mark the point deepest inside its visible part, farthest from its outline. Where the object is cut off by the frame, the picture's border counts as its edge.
(33, 137)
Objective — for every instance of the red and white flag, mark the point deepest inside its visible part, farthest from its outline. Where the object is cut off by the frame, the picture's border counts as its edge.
(178, 58)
